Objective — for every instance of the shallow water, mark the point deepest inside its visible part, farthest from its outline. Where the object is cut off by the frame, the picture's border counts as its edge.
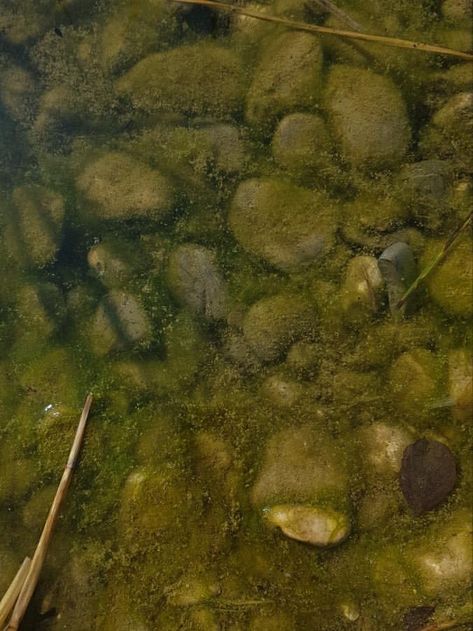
(192, 208)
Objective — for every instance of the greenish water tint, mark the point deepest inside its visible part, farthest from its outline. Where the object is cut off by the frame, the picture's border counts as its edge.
(192, 208)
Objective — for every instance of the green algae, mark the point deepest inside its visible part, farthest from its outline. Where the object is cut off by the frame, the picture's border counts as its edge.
(156, 136)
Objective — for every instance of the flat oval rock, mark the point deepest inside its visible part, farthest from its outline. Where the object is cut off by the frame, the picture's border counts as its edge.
(428, 474)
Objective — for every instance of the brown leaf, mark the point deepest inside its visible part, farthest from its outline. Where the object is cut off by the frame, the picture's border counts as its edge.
(428, 474)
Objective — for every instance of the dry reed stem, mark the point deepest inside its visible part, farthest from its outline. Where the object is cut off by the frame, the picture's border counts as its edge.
(437, 260)
(39, 556)
(313, 28)
(8, 601)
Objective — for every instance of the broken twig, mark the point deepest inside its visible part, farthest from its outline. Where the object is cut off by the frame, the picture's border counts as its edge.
(313, 28)
(39, 556)
(8, 601)
(438, 259)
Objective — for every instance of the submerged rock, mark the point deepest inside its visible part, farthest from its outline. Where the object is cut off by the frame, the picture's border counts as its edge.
(428, 474)
(133, 31)
(300, 465)
(281, 391)
(40, 310)
(286, 225)
(168, 81)
(361, 290)
(443, 564)
(301, 144)
(302, 486)
(121, 187)
(287, 77)
(383, 446)
(399, 270)
(414, 380)
(120, 323)
(450, 285)
(368, 116)
(450, 132)
(303, 358)
(195, 280)
(18, 92)
(33, 233)
(318, 526)
(460, 383)
(109, 265)
(273, 324)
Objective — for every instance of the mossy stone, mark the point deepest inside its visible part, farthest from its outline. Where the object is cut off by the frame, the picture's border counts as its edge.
(286, 225)
(368, 116)
(120, 322)
(450, 285)
(120, 187)
(196, 281)
(168, 81)
(415, 379)
(301, 144)
(135, 30)
(449, 134)
(300, 465)
(273, 324)
(34, 230)
(286, 78)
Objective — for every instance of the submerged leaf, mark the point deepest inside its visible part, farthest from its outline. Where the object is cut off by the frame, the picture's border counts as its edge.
(428, 474)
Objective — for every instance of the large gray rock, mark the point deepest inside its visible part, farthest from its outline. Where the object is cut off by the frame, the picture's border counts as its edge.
(286, 225)
(368, 116)
(286, 78)
(121, 187)
(273, 324)
(195, 280)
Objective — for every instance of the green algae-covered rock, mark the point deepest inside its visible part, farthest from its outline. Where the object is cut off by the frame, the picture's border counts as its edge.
(382, 445)
(286, 78)
(33, 232)
(449, 134)
(202, 78)
(444, 561)
(273, 324)
(302, 486)
(450, 285)
(415, 379)
(115, 262)
(301, 144)
(120, 187)
(120, 323)
(196, 281)
(22, 22)
(361, 292)
(368, 116)
(18, 92)
(286, 225)
(40, 311)
(134, 30)
(153, 502)
(17, 474)
(185, 349)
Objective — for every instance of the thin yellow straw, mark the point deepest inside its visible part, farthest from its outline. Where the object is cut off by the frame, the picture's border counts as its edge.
(313, 28)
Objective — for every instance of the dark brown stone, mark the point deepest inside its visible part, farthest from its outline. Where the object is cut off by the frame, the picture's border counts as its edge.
(417, 617)
(428, 474)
